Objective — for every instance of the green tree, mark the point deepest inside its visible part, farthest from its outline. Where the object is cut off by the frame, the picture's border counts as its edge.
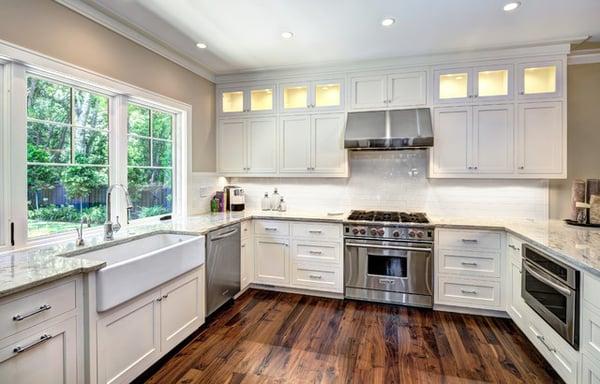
(80, 181)
(40, 177)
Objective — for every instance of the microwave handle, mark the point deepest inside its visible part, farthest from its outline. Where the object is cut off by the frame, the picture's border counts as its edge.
(388, 247)
(547, 281)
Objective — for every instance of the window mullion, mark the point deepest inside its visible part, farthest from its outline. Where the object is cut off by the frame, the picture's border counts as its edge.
(118, 153)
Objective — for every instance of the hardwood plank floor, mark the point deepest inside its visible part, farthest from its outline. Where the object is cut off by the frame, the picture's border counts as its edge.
(273, 337)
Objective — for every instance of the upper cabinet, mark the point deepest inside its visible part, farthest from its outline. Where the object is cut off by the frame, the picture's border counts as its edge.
(538, 80)
(250, 100)
(316, 95)
(473, 84)
(388, 90)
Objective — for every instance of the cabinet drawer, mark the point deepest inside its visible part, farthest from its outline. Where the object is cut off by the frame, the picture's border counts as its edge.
(246, 228)
(468, 293)
(591, 287)
(271, 228)
(476, 264)
(27, 311)
(590, 331)
(450, 238)
(313, 251)
(312, 275)
(317, 231)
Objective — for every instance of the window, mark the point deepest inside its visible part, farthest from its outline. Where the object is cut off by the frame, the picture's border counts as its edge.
(67, 156)
(150, 161)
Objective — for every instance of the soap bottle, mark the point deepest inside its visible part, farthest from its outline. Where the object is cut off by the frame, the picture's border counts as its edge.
(265, 204)
(275, 200)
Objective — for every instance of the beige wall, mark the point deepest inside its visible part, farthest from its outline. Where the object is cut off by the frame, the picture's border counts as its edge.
(50, 28)
(583, 137)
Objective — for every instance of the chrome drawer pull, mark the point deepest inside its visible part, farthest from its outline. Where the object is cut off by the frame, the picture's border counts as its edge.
(470, 240)
(513, 247)
(315, 252)
(416, 249)
(43, 338)
(315, 276)
(270, 229)
(386, 281)
(315, 231)
(42, 308)
(542, 340)
(469, 263)
(468, 291)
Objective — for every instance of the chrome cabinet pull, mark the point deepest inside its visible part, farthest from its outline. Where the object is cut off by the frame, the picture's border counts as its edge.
(42, 308)
(386, 281)
(315, 231)
(43, 338)
(424, 249)
(470, 241)
(472, 263)
(270, 229)
(542, 340)
(165, 296)
(159, 299)
(521, 167)
(469, 291)
(513, 247)
(315, 276)
(225, 292)
(315, 252)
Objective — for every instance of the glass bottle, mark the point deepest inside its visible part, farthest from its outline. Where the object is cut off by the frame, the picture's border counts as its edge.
(282, 205)
(275, 200)
(265, 204)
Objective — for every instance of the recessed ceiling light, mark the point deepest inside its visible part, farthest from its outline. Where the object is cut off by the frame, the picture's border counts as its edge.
(201, 45)
(512, 6)
(287, 35)
(387, 21)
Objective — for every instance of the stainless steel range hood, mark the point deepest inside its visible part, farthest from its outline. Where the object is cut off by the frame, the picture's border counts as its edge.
(391, 130)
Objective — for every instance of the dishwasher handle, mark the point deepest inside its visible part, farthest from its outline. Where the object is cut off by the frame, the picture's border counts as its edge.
(230, 233)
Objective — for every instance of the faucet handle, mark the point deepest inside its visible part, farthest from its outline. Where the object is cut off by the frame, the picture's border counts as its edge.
(116, 226)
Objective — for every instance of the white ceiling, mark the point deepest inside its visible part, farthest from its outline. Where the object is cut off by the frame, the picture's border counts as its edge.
(245, 35)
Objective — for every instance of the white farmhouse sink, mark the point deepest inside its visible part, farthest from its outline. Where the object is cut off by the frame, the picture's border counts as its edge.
(140, 265)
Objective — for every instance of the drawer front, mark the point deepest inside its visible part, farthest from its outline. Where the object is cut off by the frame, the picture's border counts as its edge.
(246, 228)
(25, 312)
(451, 238)
(465, 263)
(468, 293)
(590, 331)
(310, 251)
(317, 231)
(315, 276)
(591, 287)
(271, 228)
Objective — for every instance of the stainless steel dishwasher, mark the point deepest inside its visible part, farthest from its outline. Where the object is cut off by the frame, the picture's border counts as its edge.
(223, 266)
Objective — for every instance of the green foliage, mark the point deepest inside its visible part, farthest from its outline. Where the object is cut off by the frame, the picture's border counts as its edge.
(40, 177)
(139, 120)
(162, 125)
(80, 181)
(68, 213)
(153, 211)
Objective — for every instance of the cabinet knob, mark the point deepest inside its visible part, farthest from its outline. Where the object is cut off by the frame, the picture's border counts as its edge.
(475, 167)
(521, 92)
(521, 167)
(469, 167)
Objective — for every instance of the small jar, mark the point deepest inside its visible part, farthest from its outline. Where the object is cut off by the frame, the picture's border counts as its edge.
(265, 204)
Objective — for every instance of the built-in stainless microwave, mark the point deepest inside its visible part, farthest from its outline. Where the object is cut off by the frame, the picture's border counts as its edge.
(551, 289)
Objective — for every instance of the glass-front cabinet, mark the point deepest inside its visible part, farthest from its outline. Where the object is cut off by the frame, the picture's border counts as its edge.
(321, 95)
(257, 99)
(474, 84)
(540, 79)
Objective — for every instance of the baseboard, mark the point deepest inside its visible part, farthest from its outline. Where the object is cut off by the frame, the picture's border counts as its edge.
(471, 311)
(309, 292)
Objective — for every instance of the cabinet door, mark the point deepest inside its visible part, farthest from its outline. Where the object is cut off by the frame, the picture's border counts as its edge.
(452, 138)
(590, 370)
(540, 138)
(328, 95)
(493, 141)
(539, 80)
(50, 358)
(135, 330)
(493, 83)
(272, 261)
(294, 136)
(407, 89)
(453, 85)
(232, 145)
(368, 92)
(261, 138)
(261, 99)
(515, 301)
(231, 101)
(328, 153)
(246, 263)
(181, 312)
(295, 97)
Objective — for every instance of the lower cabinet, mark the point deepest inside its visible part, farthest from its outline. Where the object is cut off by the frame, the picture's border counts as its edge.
(246, 263)
(135, 335)
(590, 372)
(515, 305)
(45, 356)
(272, 261)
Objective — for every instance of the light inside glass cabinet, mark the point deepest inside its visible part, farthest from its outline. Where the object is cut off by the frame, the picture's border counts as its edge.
(454, 85)
(233, 101)
(540, 80)
(493, 83)
(261, 100)
(295, 97)
(327, 95)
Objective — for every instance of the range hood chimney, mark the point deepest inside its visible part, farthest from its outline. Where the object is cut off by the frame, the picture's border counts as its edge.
(389, 130)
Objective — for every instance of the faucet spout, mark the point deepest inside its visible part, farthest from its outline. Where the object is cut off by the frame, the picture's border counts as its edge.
(109, 227)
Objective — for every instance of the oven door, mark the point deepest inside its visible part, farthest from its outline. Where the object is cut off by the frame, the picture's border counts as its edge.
(388, 266)
(554, 301)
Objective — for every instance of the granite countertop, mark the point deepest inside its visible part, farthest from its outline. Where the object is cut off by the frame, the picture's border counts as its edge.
(27, 268)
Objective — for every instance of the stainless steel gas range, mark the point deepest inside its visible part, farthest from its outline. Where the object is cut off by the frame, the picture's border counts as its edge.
(388, 258)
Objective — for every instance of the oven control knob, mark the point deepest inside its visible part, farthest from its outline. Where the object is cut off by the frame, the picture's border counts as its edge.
(396, 234)
(363, 231)
(420, 234)
(355, 231)
(411, 234)
(381, 232)
(373, 232)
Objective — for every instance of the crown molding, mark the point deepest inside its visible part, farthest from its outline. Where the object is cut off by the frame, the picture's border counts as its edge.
(134, 34)
(584, 56)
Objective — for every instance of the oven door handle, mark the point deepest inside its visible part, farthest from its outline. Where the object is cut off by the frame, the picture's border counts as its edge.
(547, 281)
(388, 247)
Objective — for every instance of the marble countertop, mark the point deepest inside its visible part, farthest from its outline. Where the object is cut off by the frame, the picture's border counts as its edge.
(30, 267)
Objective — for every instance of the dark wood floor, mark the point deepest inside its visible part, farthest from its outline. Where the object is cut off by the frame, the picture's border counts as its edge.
(271, 337)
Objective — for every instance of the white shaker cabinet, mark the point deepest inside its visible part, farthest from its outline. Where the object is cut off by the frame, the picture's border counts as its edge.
(453, 132)
(231, 141)
(477, 84)
(246, 255)
(257, 99)
(295, 151)
(272, 261)
(540, 79)
(493, 139)
(388, 90)
(541, 139)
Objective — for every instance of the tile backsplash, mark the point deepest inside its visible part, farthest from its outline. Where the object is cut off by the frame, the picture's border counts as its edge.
(397, 180)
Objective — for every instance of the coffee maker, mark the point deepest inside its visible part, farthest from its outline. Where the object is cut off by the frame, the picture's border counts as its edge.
(235, 200)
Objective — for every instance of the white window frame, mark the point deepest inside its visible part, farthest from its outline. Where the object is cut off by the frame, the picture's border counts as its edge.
(19, 63)
(4, 159)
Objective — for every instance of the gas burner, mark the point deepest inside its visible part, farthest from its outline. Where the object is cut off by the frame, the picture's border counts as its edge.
(389, 217)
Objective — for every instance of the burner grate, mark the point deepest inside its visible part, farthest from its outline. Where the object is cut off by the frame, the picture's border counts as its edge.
(389, 216)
